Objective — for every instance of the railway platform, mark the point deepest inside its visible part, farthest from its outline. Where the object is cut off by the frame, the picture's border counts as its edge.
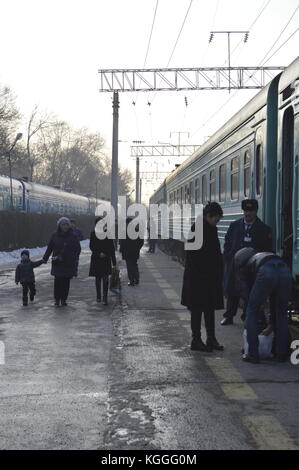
(123, 376)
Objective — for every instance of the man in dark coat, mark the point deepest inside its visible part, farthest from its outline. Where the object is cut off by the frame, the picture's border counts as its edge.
(249, 231)
(103, 254)
(65, 246)
(130, 250)
(25, 275)
(202, 282)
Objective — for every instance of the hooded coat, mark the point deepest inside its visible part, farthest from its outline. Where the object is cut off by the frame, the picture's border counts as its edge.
(202, 281)
(66, 246)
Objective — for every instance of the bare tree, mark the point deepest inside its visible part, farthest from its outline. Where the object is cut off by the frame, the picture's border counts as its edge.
(9, 118)
(38, 122)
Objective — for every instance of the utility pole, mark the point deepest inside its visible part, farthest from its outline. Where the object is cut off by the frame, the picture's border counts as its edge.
(114, 171)
(137, 192)
(228, 47)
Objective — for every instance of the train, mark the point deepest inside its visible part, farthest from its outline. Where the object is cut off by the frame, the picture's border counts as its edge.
(34, 197)
(253, 155)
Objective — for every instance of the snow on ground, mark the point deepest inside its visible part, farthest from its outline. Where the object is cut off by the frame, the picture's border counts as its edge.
(7, 257)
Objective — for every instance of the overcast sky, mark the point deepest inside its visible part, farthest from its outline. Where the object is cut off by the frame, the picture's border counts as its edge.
(51, 51)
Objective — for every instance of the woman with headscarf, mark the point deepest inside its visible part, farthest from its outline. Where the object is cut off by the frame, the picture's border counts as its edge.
(65, 248)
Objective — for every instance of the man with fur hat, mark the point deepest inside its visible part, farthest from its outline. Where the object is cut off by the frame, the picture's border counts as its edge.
(248, 231)
(25, 275)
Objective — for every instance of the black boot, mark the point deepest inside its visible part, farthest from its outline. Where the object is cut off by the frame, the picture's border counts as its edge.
(198, 345)
(213, 343)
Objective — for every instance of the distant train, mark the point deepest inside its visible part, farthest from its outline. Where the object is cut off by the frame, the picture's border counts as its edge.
(33, 197)
(254, 155)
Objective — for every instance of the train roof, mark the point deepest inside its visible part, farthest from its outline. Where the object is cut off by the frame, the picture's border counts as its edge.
(256, 103)
(4, 180)
(289, 75)
(252, 107)
(42, 189)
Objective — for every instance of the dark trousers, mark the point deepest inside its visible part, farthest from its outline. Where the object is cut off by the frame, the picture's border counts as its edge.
(99, 287)
(273, 279)
(28, 286)
(209, 316)
(61, 288)
(152, 246)
(231, 306)
(132, 268)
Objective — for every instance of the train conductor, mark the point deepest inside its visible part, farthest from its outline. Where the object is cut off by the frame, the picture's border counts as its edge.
(248, 231)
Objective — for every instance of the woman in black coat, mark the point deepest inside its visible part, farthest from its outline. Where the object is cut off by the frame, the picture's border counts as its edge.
(65, 246)
(202, 284)
(103, 254)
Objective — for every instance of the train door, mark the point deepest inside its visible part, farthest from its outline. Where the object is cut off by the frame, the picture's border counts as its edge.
(287, 186)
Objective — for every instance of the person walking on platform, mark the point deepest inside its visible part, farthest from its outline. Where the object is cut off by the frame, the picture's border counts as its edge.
(249, 231)
(103, 255)
(152, 240)
(25, 275)
(130, 250)
(202, 282)
(262, 276)
(65, 246)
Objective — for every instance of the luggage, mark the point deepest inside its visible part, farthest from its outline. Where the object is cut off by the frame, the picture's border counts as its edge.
(265, 345)
(114, 280)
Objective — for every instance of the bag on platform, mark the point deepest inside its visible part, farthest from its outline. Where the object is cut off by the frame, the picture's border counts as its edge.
(265, 345)
(114, 279)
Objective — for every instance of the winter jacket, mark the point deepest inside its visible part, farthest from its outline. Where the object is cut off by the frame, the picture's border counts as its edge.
(234, 241)
(101, 266)
(65, 247)
(203, 274)
(24, 270)
(130, 249)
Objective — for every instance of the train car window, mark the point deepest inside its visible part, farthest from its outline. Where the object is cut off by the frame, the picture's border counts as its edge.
(181, 199)
(191, 198)
(222, 182)
(178, 196)
(212, 185)
(204, 189)
(197, 195)
(234, 181)
(259, 169)
(186, 194)
(246, 173)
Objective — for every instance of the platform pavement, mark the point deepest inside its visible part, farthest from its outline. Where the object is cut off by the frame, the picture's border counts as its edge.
(197, 400)
(123, 376)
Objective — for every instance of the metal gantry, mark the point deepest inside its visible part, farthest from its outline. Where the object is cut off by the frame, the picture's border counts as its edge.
(163, 150)
(186, 79)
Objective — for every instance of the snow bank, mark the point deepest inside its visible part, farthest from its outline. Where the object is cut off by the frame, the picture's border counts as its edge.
(13, 256)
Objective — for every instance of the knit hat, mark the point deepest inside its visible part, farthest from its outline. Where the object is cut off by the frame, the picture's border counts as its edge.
(25, 252)
(63, 220)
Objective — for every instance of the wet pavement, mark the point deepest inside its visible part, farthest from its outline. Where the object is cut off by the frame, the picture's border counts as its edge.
(123, 376)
